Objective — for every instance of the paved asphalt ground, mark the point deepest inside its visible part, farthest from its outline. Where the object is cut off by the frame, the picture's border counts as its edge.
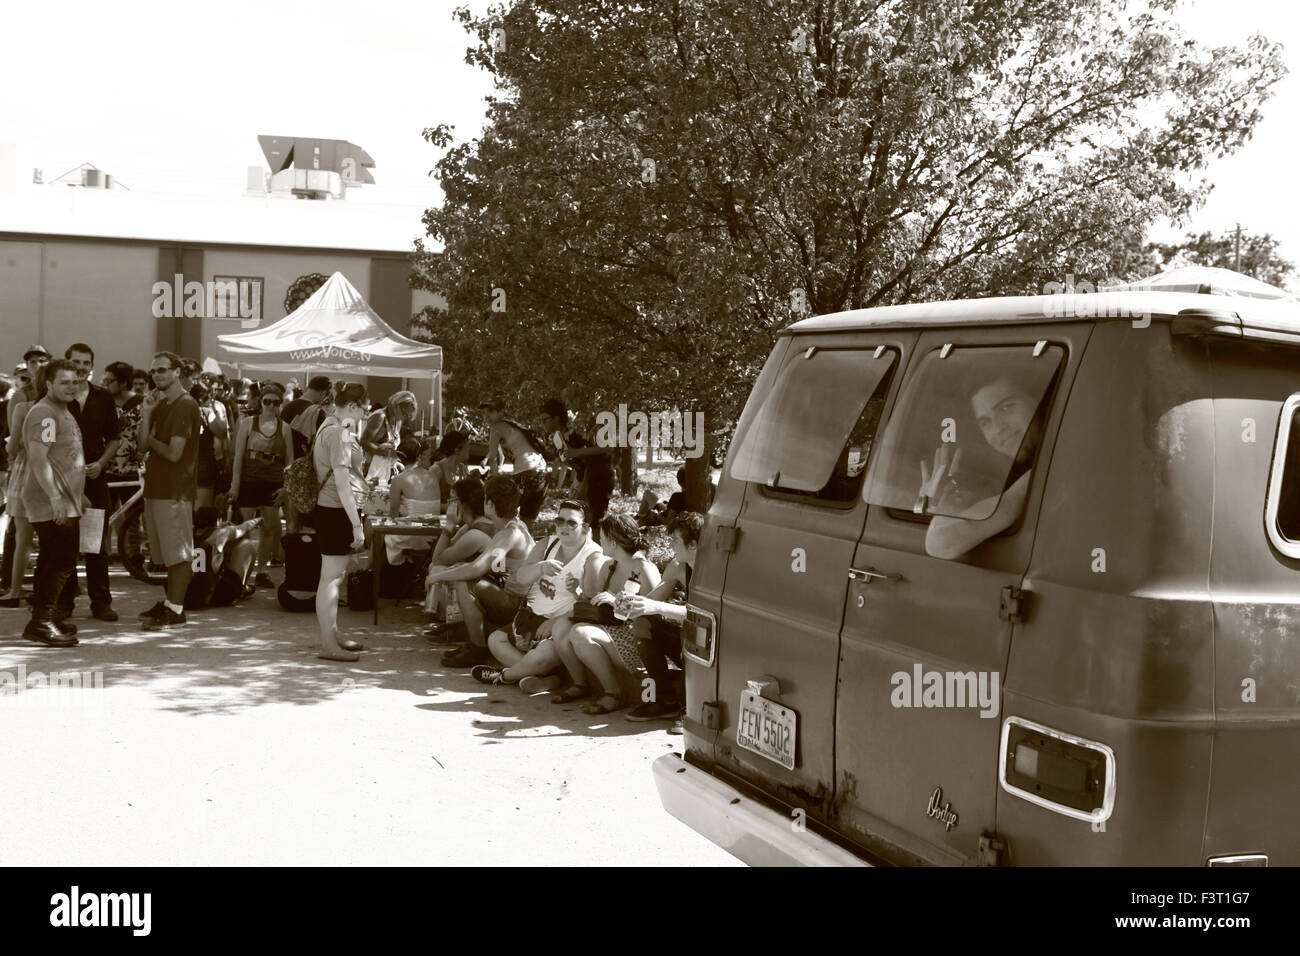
(228, 742)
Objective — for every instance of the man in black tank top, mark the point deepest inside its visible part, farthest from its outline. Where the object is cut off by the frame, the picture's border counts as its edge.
(657, 620)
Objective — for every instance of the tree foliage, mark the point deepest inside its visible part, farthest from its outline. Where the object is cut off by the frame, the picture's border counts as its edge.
(1258, 255)
(663, 185)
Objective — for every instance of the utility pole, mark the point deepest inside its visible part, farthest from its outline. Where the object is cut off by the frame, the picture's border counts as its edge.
(1238, 253)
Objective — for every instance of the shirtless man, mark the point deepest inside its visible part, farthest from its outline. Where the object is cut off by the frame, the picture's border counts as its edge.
(486, 587)
(1006, 414)
(505, 438)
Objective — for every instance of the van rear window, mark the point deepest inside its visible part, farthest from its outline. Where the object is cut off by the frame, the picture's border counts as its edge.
(813, 433)
(1282, 510)
(967, 427)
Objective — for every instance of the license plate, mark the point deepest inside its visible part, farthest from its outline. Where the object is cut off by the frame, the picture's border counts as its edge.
(767, 728)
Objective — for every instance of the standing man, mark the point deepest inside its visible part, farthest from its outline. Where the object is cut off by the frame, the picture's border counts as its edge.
(126, 462)
(96, 415)
(593, 464)
(169, 435)
(317, 391)
(53, 495)
(507, 437)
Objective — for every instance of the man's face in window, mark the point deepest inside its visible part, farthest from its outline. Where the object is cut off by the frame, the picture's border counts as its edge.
(1003, 412)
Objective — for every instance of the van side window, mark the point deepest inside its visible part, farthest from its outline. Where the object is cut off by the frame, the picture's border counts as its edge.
(813, 433)
(966, 428)
(1282, 508)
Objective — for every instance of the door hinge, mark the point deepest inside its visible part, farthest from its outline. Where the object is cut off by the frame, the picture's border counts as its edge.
(993, 850)
(1011, 607)
(726, 538)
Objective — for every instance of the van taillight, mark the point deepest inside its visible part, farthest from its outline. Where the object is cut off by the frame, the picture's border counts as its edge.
(1056, 770)
(699, 636)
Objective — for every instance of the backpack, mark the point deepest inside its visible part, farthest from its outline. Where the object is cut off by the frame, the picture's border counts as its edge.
(301, 484)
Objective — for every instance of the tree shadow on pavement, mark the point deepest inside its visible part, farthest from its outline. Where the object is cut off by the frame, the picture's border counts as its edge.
(228, 660)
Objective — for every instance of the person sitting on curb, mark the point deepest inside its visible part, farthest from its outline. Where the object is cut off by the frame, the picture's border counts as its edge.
(554, 573)
(228, 555)
(486, 589)
(657, 620)
(609, 650)
(467, 532)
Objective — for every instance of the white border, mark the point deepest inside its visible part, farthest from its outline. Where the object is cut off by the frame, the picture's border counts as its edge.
(1286, 546)
(1090, 816)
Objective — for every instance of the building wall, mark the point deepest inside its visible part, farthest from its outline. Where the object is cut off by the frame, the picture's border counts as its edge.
(58, 292)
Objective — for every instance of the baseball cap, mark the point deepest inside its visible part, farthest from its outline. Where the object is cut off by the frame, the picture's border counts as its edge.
(35, 350)
(493, 404)
(554, 407)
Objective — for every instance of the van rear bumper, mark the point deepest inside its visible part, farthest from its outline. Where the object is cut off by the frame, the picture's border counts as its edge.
(742, 826)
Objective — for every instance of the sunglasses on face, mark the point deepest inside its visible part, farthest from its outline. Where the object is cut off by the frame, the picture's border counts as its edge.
(270, 401)
(160, 371)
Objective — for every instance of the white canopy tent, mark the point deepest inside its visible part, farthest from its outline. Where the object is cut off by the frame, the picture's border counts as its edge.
(1206, 280)
(335, 331)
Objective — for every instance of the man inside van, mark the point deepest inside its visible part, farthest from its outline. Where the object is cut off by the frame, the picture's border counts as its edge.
(1008, 417)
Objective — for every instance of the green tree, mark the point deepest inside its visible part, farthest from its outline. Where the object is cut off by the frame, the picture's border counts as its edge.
(662, 186)
(1259, 255)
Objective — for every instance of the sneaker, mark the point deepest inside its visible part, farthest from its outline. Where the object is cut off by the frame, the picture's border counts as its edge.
(532, 684)
(153, 613)
(167, 619)
(263, 580)
(488, 674)
(654, 710)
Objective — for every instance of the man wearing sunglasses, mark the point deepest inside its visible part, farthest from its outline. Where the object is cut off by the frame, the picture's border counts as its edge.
(168, 434)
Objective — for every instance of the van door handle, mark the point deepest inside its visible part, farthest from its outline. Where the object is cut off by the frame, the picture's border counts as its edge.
(870, 574)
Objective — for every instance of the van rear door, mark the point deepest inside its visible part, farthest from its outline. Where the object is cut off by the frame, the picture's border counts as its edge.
(801, 460)
(926, 638)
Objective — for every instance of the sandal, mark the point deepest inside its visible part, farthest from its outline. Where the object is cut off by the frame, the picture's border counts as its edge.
(604, 704)
(571, 693)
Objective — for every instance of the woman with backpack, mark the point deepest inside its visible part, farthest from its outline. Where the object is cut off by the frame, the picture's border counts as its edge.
(339, 468)
(263, 449)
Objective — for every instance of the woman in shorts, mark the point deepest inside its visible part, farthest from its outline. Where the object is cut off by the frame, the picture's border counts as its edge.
(608, 651)
(340, 466)
(263, 449)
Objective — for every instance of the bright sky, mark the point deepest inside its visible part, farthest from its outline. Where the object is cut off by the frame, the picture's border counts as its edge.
(170, 96)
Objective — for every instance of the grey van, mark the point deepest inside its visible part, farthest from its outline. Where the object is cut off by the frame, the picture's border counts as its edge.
(1005, 581)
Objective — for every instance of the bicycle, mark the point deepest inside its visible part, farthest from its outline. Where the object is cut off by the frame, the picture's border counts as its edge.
(132, 538)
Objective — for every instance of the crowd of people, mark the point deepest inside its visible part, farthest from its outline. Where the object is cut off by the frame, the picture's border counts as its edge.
(581, 612)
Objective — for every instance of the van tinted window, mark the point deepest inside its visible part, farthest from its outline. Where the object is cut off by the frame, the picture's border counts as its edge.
(968, 425)
(813, 433)
(1283, 507)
